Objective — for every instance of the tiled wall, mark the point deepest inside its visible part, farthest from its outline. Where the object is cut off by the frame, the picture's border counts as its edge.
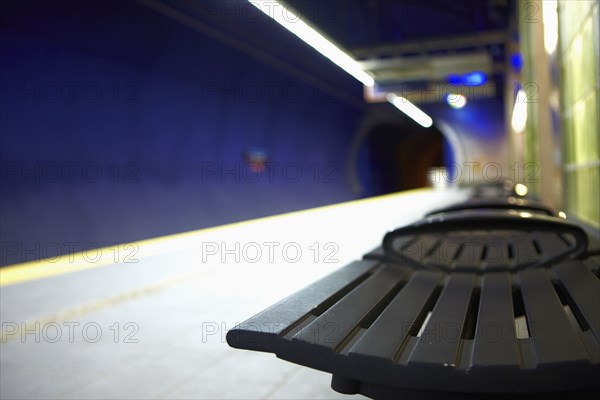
(580, 93)
(166, 124)
(573, 69)
(530, 85)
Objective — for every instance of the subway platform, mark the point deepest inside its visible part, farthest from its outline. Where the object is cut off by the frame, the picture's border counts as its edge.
(148, 319)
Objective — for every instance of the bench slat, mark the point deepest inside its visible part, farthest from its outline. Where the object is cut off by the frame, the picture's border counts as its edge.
(441, 338)
(551, 333)
(419, 249)
(495, 339)
(260, 331)
(336, 323)
(497, 254)
(550, 244)
(470, 256)
(525, 251)
(445, 253)
(385, 336)
(584, 288)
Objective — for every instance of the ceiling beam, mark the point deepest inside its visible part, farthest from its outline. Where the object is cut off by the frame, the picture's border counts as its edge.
(433, 67)
(432, 45)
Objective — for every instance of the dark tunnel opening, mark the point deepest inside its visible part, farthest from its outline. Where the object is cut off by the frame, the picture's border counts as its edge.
(400, 156)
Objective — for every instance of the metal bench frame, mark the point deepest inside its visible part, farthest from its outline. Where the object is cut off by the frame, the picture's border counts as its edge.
(396, 324)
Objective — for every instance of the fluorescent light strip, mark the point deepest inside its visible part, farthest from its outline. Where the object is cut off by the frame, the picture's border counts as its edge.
(294, 24)
(550, 16)
(519, 114)
(410, 109)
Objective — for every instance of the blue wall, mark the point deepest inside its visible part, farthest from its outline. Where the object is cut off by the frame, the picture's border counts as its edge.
(117, 124)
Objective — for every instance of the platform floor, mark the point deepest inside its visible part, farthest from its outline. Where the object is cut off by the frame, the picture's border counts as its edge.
(148, 320)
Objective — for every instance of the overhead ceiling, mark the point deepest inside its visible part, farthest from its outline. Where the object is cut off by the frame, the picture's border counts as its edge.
(420, 42)
(357, 24)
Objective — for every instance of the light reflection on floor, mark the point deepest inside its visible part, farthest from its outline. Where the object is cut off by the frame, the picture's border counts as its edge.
(156, 328)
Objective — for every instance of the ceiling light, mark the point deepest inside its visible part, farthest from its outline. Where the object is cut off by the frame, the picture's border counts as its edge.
(550, 17)
(519, 114)
(410, 109)
(310, 36)
(521, 189)
(456, 101)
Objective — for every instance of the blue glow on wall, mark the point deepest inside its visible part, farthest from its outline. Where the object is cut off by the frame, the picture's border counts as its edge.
(475, 78)
(160, 125)
(516, 60)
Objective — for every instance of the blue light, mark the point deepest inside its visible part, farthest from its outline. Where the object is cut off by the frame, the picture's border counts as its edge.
(516, 60)
(475, 78)
(455, 79)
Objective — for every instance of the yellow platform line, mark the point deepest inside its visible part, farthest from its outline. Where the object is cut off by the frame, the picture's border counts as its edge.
(101, 257)
(105, 256)
(76, 312)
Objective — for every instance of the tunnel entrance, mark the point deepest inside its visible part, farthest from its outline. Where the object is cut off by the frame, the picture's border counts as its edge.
(399, 157)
